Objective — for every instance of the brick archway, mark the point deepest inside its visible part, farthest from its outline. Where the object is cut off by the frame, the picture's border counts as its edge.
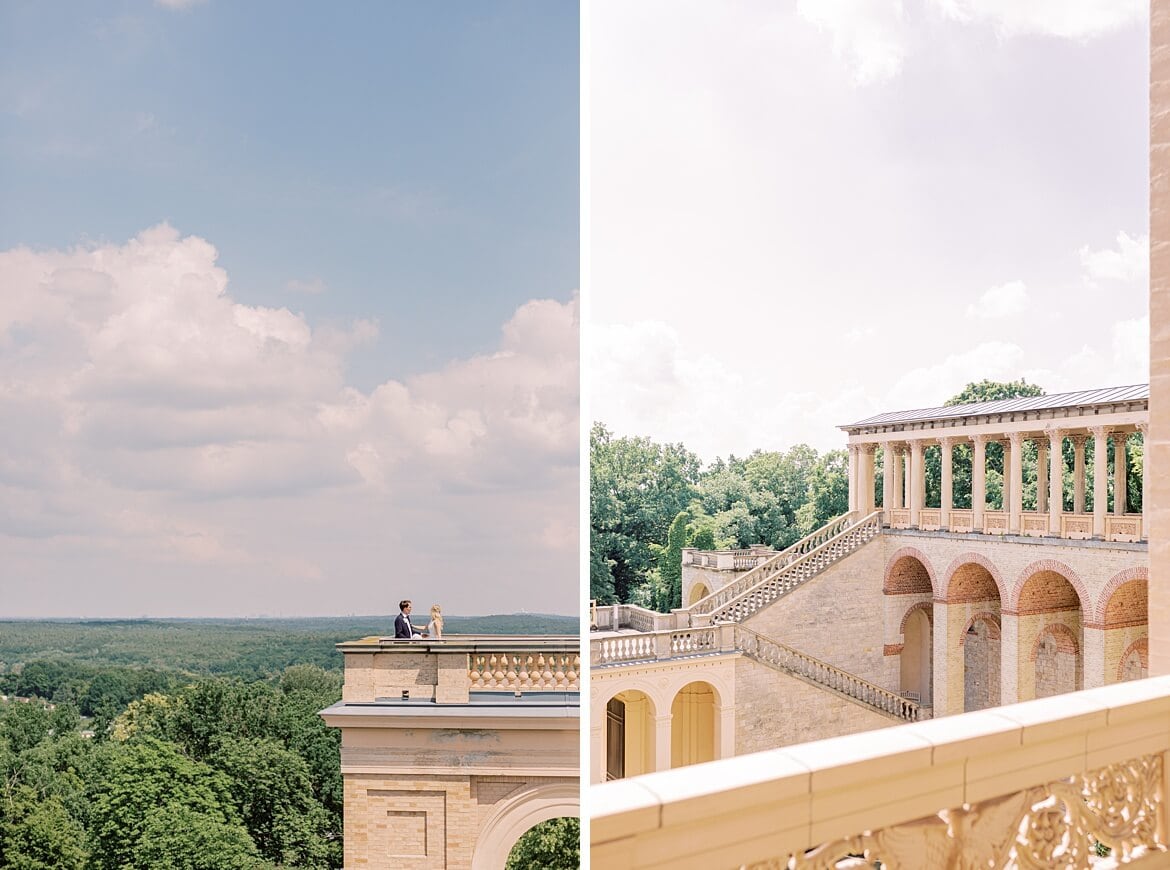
(891, 582)
(1066, 640)
(1050, 565)
(991, 620)
(1116, 582)
(928, 606)
(980, 560)
(1142, 647)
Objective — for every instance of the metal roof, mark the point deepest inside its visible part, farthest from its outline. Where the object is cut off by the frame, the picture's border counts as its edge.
(1081, 399)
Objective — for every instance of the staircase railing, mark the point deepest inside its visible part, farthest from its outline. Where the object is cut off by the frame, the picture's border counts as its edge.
(785, 658)
(782, 581)
(778, 562)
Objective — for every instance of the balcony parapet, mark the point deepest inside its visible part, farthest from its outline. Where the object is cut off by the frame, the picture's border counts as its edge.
(1127, 528)
(1028, 785)
(727, 560)
(383, 669)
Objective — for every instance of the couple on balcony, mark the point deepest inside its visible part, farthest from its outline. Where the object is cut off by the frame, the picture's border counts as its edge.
(404, 630)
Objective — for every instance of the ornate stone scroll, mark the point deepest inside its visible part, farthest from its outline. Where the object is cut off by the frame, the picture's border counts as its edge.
(1055, 825)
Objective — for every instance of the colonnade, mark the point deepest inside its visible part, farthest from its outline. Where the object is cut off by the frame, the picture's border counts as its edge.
(904, 483)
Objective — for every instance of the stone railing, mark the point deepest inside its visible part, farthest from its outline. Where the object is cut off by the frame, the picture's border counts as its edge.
(610, 617)
(660, 645)
(727, 606)
(785, 658)
(1076, 526)
(727, 560)
(1032, 785)
(1034, 525)
(995, 522)
(1127, 527)
(962, 520)
(775, 565)
(385, 670)
(930, 519)
(898, 518)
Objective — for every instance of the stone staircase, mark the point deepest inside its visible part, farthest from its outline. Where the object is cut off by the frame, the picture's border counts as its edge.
(804, 560)
(825, 676)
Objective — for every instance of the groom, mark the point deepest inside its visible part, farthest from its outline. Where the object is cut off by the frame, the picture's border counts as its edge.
(403, 630)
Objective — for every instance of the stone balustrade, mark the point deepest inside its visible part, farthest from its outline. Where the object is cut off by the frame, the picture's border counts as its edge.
(1074, 526)
(613, 617)
(385, 670)
(727, 560)
(1037, 784)
(661, 645)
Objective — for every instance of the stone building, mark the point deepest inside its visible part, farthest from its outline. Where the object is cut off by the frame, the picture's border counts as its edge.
(451, 749)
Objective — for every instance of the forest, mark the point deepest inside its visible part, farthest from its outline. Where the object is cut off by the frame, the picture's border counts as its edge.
(647, 501)
(191, 744)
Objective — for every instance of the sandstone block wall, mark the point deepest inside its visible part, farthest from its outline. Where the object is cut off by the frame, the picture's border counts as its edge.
(773, 709)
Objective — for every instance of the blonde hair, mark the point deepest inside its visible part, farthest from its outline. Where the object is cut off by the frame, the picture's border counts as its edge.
(437, 615)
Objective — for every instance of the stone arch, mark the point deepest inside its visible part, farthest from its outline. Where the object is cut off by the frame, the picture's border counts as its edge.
(985, 616)
(1141, 647)
(658, 700)
(921, 605)
(698, 592)
(694, 723)
(1066, 640)
(895, 584)
(1118, 580)
(1057, 666)
(1054, 567)
(629, 735)
(978, 559)
(514, 815)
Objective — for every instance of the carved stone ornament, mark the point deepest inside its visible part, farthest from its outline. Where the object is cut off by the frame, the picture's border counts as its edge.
(1055, 825)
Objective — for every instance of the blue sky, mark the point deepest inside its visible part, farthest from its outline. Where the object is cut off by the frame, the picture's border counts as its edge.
(417, 160)
(289, 321)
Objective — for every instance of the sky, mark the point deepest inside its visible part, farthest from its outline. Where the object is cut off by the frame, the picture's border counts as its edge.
(803, 214)
(288, 308)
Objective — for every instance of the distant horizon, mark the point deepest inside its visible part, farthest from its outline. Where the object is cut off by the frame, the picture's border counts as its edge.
(271, 618)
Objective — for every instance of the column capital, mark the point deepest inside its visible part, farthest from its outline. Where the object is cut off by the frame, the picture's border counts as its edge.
(1078, 439)
(1143, 427)
(1016, 439)
(867, 449)
(1101, 431)
(948, 441)
(1054, 433)
(980, 439)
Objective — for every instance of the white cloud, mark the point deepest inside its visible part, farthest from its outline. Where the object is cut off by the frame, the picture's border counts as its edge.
(133, 385)
(178, 4)
(1068, 19)
(1006, 300)
(930, 386)
(868, 34)
(1130, 261)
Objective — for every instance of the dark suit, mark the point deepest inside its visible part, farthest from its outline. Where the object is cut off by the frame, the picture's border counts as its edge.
(402, 627)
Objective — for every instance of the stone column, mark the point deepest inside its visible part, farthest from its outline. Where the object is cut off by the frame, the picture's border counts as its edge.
(887, 478)
(1055, 479)
(1119, 472)
(1005, 500)
(978, 481)
(940, 692)
(1009, 658)
(1100, 479)
(1093, 657)
(1016, 504)
(917, 484)
(865, 458)
(1144, 429)
(661, 742)
(854, 481)
(1041, 475)
(597, 754)
(946, 485)
(1078, 473)
(725, 726)
(899, 477)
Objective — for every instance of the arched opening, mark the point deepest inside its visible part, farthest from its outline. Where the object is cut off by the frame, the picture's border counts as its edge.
(698, 592)
(554, 844)
(1126, 628)
(512, 817)
(916, 658)
(1051, 628)
(907, 576)
(981, 663)
(692, 725)
(973, 612)
(629, 735)
(1056, 657)
(1135, 661)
